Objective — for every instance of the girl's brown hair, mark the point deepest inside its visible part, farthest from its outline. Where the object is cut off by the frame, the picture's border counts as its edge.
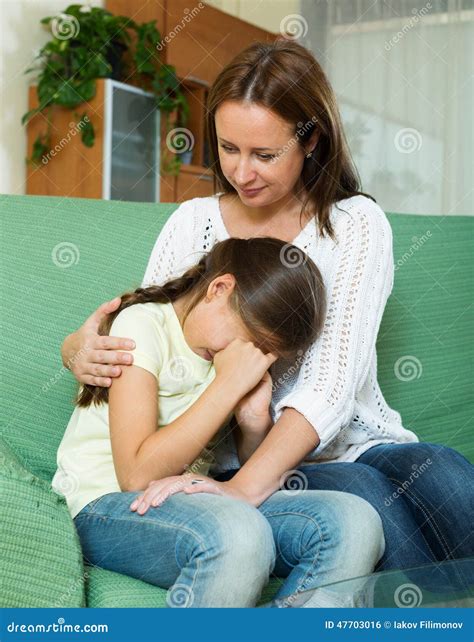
(279, 295)
(285, 77)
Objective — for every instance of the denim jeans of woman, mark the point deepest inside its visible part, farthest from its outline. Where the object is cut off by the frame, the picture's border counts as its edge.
(215, 551)
(423, 492)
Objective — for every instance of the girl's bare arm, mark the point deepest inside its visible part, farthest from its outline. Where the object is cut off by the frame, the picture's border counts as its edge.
(142, 453)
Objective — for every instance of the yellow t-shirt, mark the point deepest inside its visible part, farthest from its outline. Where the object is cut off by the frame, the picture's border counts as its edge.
(85, 463)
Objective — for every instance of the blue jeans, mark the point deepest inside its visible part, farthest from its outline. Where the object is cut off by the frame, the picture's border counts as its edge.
(424, 494)
(215, 551)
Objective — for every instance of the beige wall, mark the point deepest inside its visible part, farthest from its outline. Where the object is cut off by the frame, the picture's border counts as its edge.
(266, 14)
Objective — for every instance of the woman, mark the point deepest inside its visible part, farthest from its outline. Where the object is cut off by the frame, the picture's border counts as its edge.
(284, 170)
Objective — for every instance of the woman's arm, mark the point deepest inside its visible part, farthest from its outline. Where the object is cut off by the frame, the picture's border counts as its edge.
(358, 282)
(262, 475)
(287, 444)
(92, 358)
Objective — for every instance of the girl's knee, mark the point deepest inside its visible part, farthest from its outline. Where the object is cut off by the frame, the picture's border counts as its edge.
(230, 547)
(252, 538)
(243, 538)
(360, 526)
(370, 529)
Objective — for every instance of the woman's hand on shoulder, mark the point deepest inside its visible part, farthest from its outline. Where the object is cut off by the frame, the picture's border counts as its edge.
(94, 359)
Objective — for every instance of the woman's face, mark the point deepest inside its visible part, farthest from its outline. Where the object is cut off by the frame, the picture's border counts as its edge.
(258, 152)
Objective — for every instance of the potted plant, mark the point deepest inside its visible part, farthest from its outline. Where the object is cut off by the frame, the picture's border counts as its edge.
(89, 43)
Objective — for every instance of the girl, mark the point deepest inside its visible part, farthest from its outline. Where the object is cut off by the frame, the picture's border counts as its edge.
(204, 343)
(282, 167)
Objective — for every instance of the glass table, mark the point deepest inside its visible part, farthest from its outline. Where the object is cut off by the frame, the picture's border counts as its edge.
(444, 584)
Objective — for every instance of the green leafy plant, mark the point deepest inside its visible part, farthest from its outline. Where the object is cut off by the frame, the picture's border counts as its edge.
(90, 43)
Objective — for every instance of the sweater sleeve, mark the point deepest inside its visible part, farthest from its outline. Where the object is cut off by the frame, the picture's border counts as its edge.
(359, 282)
(173, 252)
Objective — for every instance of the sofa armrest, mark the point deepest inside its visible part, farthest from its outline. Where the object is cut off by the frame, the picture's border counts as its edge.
(40, 554)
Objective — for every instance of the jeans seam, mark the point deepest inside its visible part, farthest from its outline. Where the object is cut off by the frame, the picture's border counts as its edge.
(310, 573)
(142, 519)
(428, 517)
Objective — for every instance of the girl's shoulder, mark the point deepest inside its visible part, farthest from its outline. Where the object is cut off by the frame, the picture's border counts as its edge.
(141, 314)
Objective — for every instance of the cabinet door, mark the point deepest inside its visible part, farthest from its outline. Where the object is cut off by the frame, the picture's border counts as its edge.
(192, 182)
(133, 146)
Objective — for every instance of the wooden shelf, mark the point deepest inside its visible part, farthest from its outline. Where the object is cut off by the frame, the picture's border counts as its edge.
(196, 95)
(196, 169)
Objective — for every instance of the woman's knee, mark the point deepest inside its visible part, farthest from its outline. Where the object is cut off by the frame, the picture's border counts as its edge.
(413, 458)
(438, 454)
(427, 469)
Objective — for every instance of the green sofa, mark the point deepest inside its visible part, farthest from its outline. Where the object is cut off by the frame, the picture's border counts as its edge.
(62, 257)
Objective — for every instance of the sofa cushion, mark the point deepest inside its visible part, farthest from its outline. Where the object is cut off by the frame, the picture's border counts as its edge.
(106, 589)
(40, 556)
(425, 349)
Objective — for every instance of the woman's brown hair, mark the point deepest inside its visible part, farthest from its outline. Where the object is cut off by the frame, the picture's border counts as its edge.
(286, 78)
(279, 295)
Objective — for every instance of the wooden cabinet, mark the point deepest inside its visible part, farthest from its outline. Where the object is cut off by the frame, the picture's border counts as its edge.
(73, 170)
(193, 181)
(123, 163)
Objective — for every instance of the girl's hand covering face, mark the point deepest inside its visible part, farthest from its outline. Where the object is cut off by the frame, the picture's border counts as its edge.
(160, 490)
(242, 364)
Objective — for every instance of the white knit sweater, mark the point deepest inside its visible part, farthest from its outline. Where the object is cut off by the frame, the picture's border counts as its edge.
(334, 384)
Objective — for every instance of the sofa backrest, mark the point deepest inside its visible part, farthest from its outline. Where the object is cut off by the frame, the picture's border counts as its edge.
(62, 257)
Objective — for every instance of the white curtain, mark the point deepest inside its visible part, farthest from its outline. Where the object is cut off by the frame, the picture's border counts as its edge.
(403, 74)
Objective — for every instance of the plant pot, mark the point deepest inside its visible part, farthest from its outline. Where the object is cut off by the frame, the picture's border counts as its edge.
(186, 157)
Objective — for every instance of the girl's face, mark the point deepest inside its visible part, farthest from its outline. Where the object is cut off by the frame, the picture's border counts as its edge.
(258, 152)
(212, 324)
